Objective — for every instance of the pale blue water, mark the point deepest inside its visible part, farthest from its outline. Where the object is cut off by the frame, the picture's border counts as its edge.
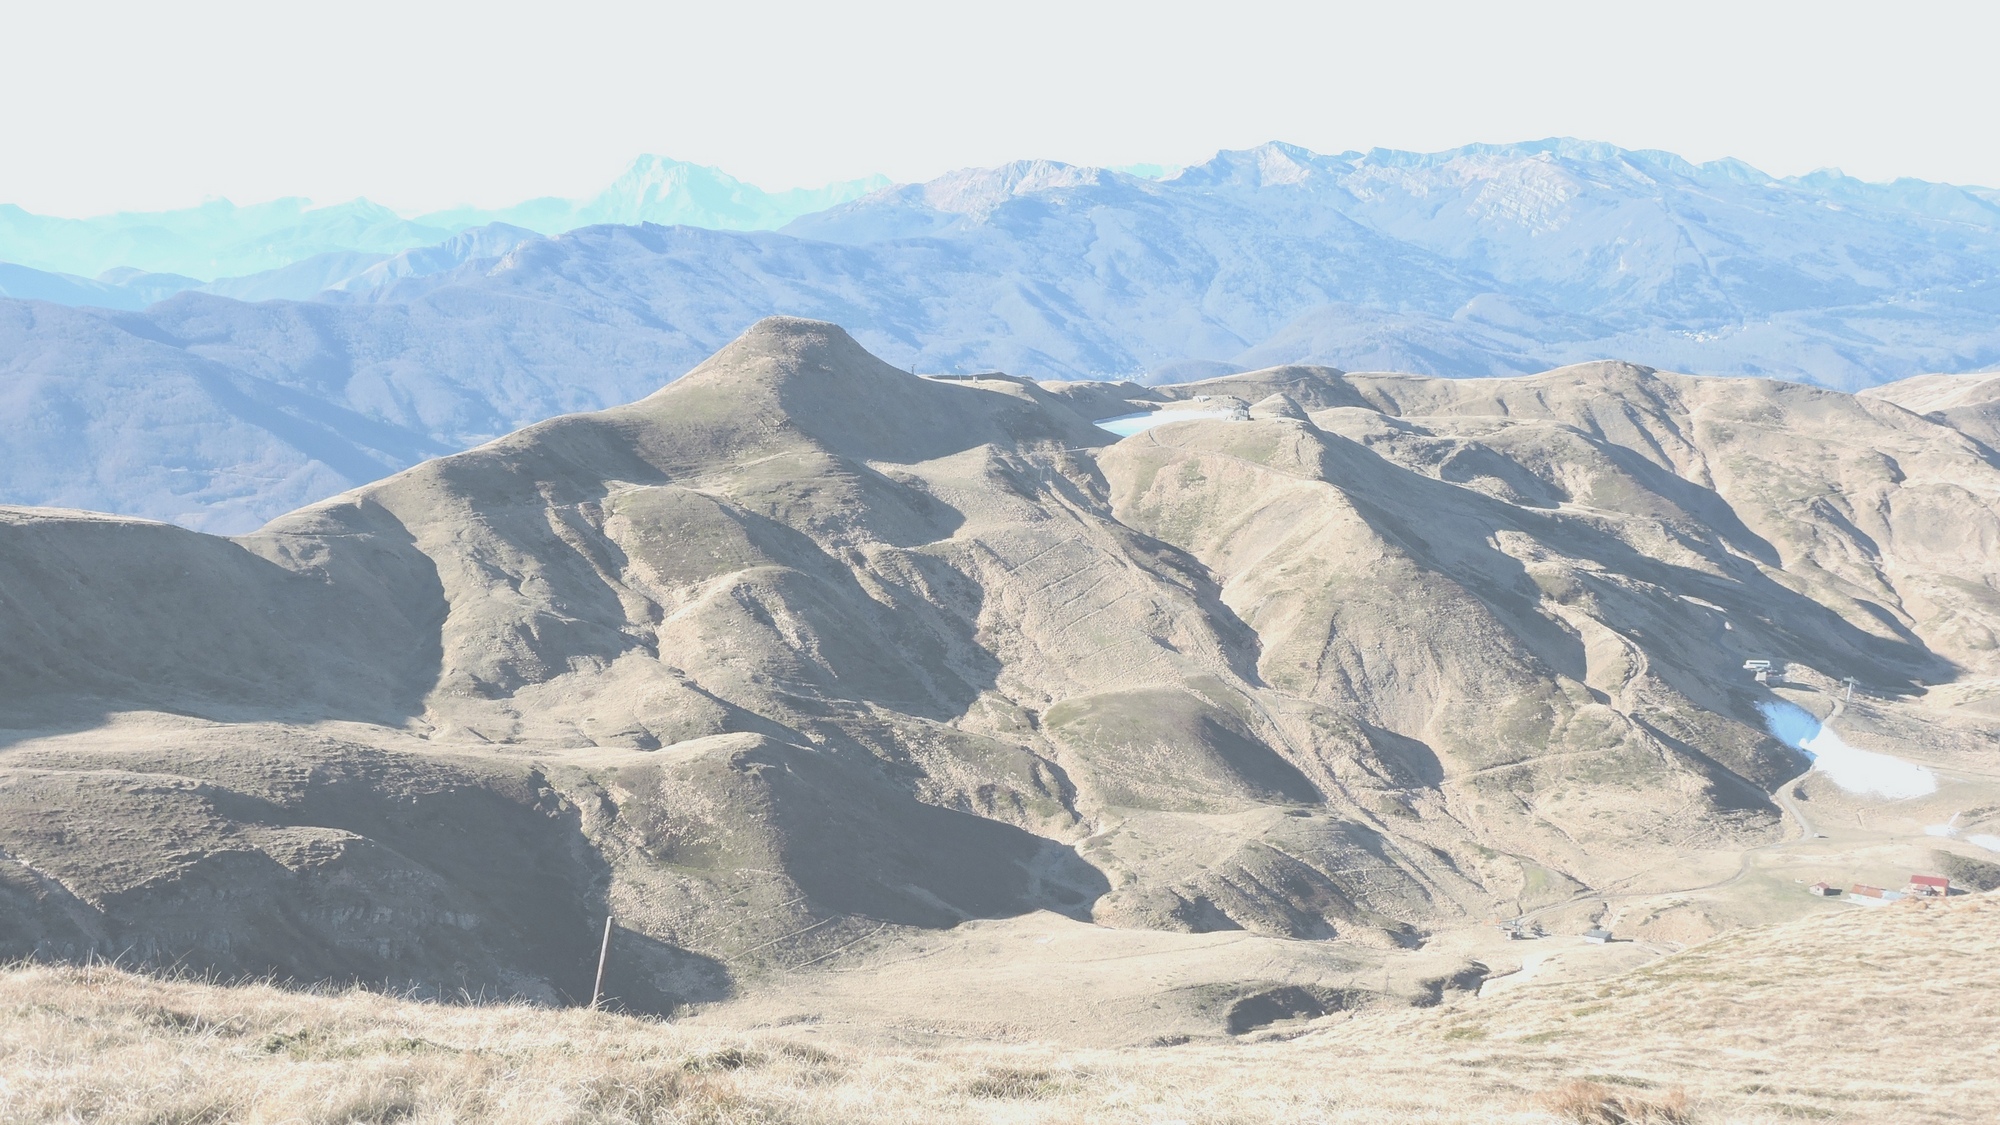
(1125, 425)
(1790, 724)
(1853, 769)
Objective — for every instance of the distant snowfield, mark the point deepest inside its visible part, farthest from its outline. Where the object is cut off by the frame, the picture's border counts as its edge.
(1854, 770)
(1865, 771)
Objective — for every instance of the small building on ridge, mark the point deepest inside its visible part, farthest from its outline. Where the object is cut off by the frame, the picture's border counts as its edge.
(1930, 886)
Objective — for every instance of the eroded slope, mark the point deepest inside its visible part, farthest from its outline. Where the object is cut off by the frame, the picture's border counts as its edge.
(803, 652)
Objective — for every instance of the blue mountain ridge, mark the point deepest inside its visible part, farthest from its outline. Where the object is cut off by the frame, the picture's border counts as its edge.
(219, 239)
(1487, 260)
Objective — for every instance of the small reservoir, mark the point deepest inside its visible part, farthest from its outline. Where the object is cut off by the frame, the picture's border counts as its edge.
(1125, 425)
(1856, 771)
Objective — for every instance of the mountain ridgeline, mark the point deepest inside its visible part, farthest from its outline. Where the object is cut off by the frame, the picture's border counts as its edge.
(359, 347)
(803, 649)
(219, 240)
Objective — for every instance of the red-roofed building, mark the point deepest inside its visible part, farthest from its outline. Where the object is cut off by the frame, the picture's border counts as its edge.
(1934, 885)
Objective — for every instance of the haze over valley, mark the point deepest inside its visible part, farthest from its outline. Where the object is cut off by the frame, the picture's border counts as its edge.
(884, 609)
(360, 350)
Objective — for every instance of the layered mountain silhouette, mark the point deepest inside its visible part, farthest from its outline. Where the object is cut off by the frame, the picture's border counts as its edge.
(220, 240)
(349, 358)
(802, 649)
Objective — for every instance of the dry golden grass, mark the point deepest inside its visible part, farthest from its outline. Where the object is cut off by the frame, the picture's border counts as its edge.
(1594, 1103)
(1884, 1016)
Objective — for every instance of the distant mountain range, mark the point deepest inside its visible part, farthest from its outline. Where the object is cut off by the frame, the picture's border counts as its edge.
(220, 239)
(334, 362)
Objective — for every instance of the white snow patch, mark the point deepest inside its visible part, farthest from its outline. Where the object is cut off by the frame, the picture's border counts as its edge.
(1990, 843)
(1857, 771)
(1865, 771)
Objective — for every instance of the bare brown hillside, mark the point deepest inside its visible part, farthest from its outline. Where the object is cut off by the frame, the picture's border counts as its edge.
(804, 661)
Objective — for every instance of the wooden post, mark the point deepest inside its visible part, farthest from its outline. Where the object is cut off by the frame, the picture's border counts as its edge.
(603, 951)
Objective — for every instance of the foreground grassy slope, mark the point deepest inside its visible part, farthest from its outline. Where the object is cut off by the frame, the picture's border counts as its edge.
(1863, 1016)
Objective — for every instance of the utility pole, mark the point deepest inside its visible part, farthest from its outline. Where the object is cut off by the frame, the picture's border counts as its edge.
(1850, 690)
(603, 951)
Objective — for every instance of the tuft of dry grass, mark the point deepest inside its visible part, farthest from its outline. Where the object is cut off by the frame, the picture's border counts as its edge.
(1020, 1083)
(1593, 1103)
(1885, 1016)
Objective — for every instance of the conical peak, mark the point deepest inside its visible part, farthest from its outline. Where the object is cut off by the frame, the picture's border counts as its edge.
(781, 350)
(810, 377)
(807, 340)
(807, 365)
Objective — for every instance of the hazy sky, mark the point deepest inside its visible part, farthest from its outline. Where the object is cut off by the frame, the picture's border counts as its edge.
(419, 105)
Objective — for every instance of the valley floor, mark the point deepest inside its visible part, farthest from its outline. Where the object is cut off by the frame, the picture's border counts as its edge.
(1886, 1015)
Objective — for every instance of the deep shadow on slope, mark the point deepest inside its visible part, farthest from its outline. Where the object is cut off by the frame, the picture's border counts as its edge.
(305, 859)
(100, 614)
(1774, 617)
(859, 844)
